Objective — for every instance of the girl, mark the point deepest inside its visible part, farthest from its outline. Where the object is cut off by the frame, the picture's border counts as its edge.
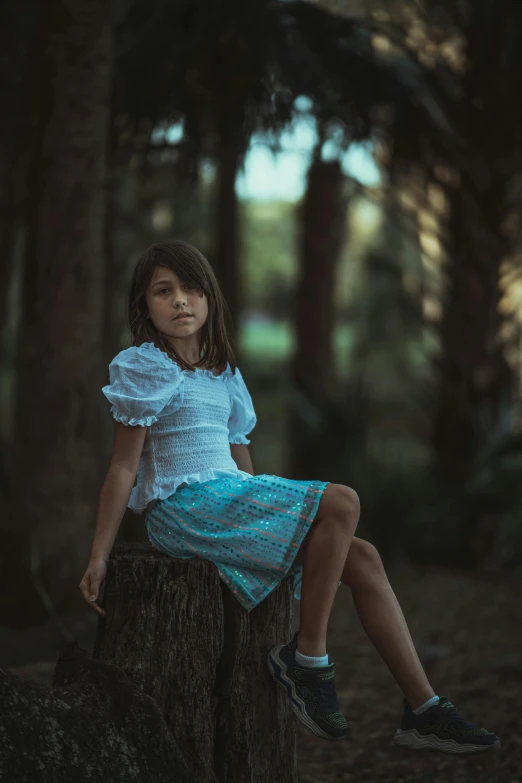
(183, 414)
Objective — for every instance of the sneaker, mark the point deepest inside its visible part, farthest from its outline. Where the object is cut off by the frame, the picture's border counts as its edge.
(442, 728)
(311, 692)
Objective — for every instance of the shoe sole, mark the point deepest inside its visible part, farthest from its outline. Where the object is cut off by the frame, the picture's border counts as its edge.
(278, 670)
(412, 740)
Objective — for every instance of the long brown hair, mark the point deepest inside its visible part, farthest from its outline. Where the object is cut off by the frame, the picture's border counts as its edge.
(192, 268)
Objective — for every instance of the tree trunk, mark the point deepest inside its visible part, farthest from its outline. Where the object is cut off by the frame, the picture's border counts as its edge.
(179, 633)
(57, 463)
(476, 381)
(8, 229)
(15, 38)
(111, 323)
(226, 260)
(476, 384)
(313, 370)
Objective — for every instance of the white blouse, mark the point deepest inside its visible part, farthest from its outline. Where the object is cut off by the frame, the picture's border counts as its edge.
(192, 417)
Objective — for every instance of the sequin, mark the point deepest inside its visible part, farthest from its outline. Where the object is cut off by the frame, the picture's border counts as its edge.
(251, 529)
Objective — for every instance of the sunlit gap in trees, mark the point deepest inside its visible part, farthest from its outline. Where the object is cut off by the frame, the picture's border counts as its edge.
(275, 172)
(275, 169)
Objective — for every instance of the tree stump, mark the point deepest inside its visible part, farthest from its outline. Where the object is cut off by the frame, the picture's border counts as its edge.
(178, 633)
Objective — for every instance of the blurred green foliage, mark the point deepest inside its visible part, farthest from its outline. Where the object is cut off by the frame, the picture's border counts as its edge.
(271, 342)
(268, 232)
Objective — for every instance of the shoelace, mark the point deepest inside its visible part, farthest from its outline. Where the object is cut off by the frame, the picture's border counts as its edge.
(455, 716)
(324, 691)
(328, 698)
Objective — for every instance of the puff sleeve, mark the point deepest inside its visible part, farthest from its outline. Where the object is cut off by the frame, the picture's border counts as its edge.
(242, 418)
(143, 382)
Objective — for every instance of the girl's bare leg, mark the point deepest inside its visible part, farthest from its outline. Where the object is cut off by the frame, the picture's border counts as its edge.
(329, 554)
(382, 619)
(323, 554)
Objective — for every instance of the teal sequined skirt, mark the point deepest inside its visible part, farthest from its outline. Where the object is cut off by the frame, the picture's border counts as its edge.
(251, 529)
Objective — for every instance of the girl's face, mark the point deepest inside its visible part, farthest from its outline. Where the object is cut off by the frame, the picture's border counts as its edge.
(167, 298)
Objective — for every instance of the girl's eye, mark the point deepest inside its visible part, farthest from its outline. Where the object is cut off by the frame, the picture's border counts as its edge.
(187, 286)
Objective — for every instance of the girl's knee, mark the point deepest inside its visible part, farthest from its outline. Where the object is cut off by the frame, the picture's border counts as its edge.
(368, 557)
(342, 502)
(364, 565)
(337, 503)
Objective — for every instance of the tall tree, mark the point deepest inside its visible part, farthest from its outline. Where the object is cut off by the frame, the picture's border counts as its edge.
(464, 62)
(322, 222)
(476, 381)
(17, 28)
(56, 449)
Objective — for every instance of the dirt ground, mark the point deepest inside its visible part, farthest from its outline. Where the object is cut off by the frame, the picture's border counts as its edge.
(469, 636)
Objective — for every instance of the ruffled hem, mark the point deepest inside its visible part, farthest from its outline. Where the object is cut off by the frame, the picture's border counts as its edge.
(145, 493)
(238, 440)
(227, 373)
(129, 421)
(142, 385)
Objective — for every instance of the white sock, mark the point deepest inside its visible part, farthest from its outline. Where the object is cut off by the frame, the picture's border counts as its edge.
(427, 704)
(309, 662)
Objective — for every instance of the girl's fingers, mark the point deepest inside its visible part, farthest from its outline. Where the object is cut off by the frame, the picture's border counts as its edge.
(96, 608)
(87, 593)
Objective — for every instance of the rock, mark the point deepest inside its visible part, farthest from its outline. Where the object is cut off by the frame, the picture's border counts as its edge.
(38, 671)
(94, 724)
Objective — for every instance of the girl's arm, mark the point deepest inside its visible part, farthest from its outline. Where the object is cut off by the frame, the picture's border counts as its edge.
(241, 456)
(115, 493)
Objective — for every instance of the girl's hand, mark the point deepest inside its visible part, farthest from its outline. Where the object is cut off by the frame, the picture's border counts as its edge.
(91, 583)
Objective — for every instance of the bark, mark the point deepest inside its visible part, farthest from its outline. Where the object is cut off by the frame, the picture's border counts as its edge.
(15, 134)
(180, 634)
(313, 367)
(8, 225)
(226, 261)
(56, 468)
(15, 131)
(111, 278)
(476, 382)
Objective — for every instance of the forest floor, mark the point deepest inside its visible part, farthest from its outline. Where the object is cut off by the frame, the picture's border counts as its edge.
(468, 632)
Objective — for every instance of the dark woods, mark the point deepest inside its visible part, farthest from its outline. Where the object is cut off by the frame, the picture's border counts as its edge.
(392, 361)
